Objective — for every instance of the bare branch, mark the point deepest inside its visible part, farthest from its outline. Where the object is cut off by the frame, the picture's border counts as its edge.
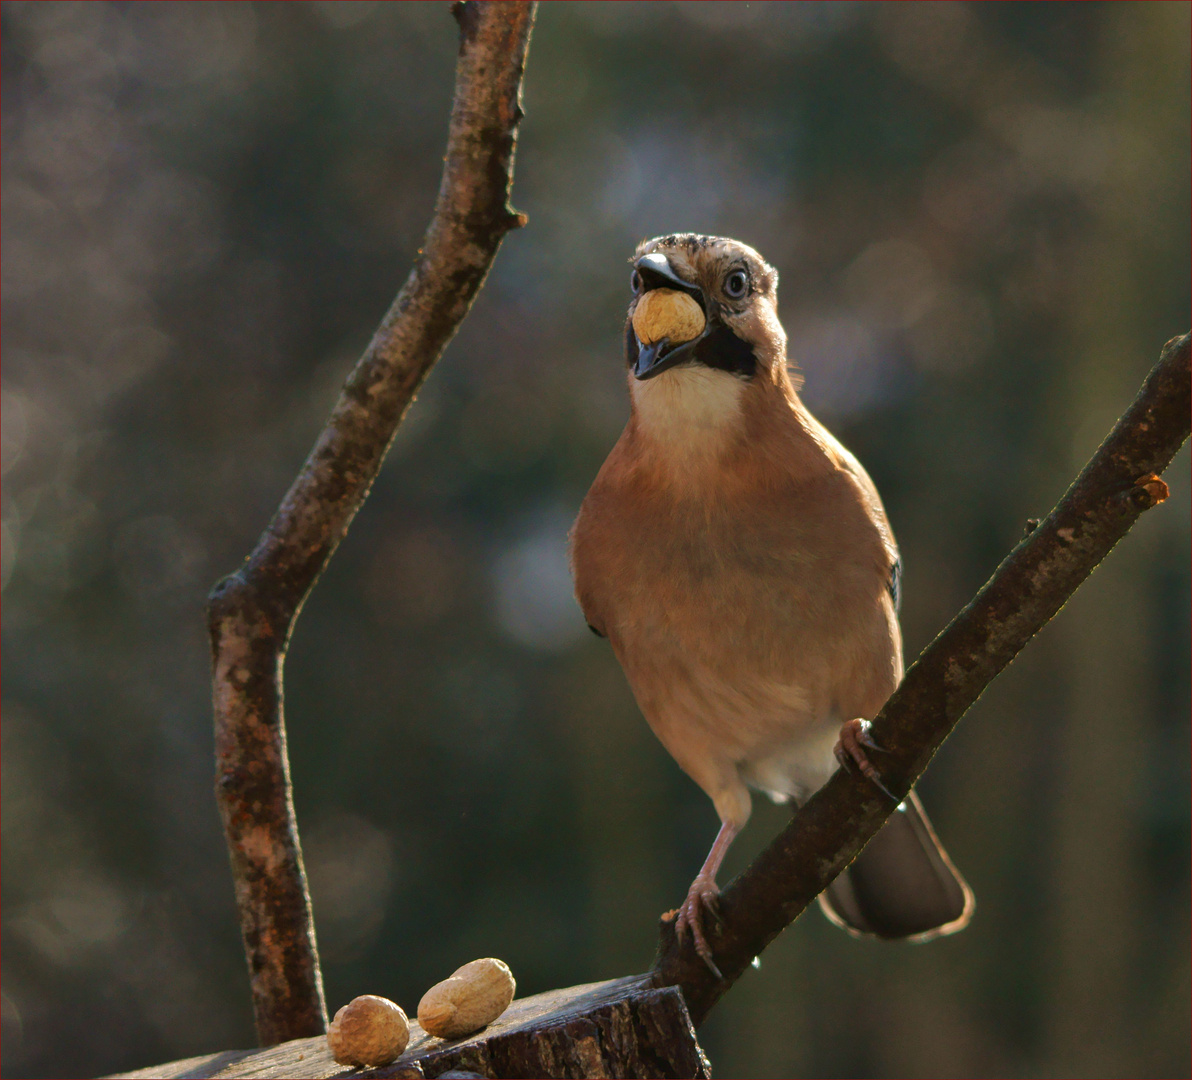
(1031, 585)
(251, 614)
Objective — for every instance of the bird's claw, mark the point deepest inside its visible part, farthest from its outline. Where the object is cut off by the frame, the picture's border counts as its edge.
(850, 749)
(702, 896)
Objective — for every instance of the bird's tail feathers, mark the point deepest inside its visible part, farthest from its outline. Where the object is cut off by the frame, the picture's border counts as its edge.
(902, 885)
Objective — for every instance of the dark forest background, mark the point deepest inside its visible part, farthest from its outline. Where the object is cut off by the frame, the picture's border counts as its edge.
(981, 219)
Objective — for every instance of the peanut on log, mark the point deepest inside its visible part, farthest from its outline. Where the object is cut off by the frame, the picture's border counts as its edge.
(470, 999)
(368, 1031)
(667, 313)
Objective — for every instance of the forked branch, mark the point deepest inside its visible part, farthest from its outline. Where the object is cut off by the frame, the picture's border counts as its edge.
(251, 614)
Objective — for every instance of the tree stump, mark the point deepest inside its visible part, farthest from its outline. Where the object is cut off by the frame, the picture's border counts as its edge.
(620, 1028)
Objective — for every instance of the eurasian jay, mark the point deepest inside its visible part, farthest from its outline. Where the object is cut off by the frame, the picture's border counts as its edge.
(739, 561)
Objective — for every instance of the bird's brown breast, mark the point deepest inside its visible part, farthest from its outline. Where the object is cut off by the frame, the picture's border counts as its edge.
(760, 566)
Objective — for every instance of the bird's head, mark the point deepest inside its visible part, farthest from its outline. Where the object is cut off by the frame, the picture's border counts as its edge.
(703, 301)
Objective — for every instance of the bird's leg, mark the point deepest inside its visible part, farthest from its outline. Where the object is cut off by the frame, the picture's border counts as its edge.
(703, 894)
(854, 738)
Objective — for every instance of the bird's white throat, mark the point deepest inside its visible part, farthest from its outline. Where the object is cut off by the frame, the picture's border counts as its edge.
(690, 408)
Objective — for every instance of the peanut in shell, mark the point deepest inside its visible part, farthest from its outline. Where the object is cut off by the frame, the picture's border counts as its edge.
(367, 1032)
(472, 998)
(667, 313)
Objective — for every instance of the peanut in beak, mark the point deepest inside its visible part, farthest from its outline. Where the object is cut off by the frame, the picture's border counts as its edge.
(667, 313)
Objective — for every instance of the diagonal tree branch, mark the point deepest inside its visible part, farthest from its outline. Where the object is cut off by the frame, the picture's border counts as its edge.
(1031, 585)
(251, 613)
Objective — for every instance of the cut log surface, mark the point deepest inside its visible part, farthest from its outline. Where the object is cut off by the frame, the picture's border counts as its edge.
(621, 1028)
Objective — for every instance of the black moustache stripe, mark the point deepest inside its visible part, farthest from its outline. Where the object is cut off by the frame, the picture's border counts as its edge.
(724, 351)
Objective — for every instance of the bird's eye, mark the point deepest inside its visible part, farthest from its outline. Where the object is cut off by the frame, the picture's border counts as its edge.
(635, 282)
(736, 285)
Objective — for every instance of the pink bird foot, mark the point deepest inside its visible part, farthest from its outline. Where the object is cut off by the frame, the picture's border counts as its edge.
(701, 897)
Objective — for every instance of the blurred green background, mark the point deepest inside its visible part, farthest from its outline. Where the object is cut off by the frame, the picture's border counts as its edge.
(981, 219)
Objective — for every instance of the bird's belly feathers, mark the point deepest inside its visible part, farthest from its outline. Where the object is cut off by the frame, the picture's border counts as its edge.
(744, 654)
(769, 733)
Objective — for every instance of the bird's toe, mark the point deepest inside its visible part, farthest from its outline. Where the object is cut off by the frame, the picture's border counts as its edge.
(702, 898)
(855, 737)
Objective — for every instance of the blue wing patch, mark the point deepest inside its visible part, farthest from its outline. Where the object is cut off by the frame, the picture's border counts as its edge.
(895, 583)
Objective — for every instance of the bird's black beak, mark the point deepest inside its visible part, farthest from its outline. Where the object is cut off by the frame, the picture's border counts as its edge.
(656, 272)
(650, 359)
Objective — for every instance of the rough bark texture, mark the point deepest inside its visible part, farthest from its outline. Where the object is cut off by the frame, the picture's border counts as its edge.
(1031, 585)
(251, 613)
(618, 1028)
